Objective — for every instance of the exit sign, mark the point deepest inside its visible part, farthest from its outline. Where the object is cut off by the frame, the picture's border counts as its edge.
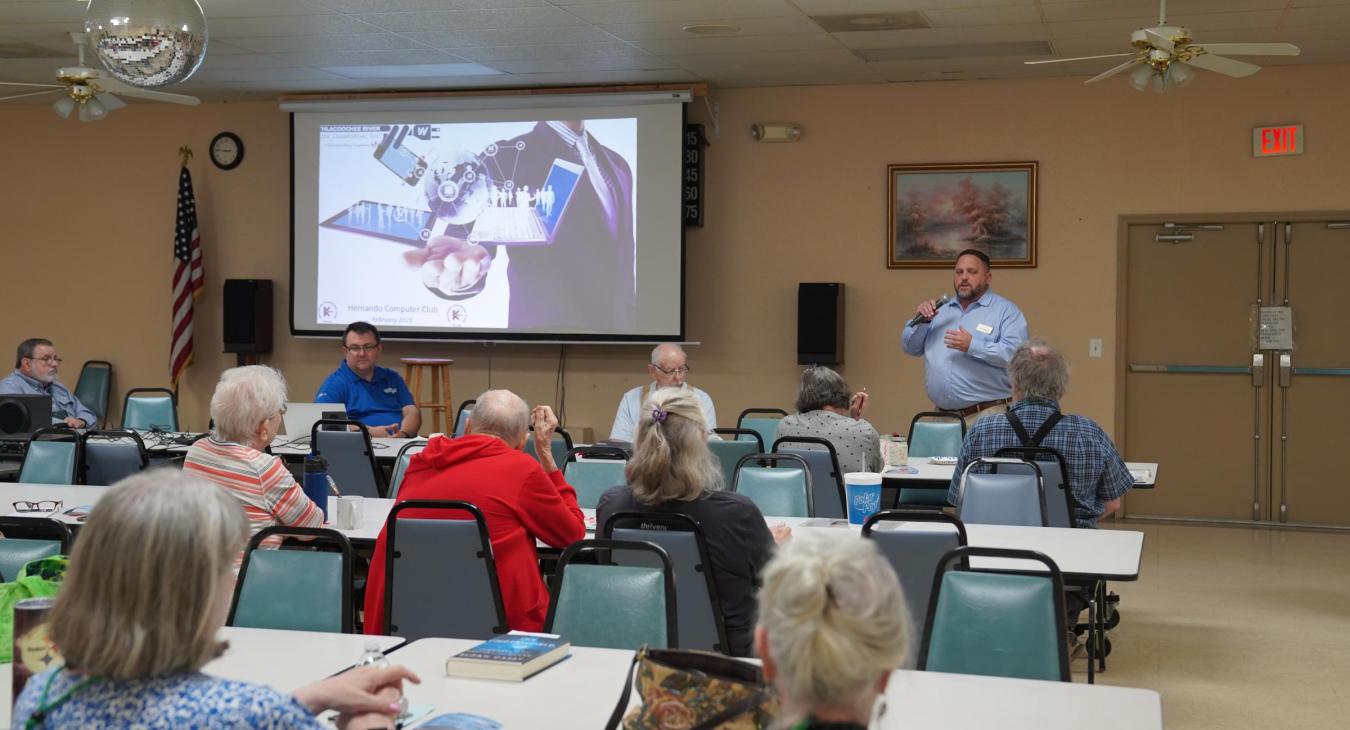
(1286, 139)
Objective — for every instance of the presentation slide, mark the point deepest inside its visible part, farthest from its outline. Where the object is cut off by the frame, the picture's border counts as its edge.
(544, 224)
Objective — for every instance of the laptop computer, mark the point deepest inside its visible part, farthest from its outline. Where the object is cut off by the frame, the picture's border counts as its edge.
(531, 225)
(299, 418)
(21, 415)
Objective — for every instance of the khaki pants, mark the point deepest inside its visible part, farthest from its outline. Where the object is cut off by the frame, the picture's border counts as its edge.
(991, 410)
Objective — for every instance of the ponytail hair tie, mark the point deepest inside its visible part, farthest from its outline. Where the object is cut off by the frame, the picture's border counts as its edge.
(659, 415)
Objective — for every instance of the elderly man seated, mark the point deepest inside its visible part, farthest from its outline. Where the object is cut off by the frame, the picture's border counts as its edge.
(522, 500)
(669, 368)
(35, 371)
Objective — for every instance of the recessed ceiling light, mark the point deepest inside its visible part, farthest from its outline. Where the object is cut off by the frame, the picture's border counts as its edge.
(870, 21)
(712, 28)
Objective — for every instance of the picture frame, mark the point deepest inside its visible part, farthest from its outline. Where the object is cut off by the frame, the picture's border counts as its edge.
(934, 211)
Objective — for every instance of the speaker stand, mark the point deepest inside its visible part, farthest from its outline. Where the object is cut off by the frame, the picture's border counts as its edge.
(245, 358)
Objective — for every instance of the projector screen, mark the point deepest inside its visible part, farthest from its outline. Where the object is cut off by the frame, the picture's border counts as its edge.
(543, 223)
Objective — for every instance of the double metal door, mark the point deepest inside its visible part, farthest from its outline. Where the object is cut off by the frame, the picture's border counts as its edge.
(1238, 368)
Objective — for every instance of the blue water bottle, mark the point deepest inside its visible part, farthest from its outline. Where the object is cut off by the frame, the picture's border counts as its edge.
(316, 482)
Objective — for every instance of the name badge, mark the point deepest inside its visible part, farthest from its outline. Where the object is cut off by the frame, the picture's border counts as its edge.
(984, 329)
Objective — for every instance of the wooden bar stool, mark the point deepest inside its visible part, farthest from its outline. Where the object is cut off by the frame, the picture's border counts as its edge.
(439, 404)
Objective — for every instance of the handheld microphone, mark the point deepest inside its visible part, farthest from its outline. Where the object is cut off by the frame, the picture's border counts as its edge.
(919, 318)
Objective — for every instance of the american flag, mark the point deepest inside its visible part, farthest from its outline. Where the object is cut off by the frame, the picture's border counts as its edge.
(187, 277)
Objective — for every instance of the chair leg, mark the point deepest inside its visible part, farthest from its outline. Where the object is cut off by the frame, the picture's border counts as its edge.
(1092, 635)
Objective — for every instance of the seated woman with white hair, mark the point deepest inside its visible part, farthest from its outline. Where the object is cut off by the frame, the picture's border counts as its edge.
(148, 589)
(247, 408)
(832, 626)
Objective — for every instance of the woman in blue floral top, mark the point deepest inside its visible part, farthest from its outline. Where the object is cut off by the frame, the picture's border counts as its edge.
(149, 587)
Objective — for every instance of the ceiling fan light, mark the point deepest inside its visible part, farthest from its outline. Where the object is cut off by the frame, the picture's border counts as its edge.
(1159, 82)
(63, 107)
(1140, 76)
(1179, 74)
(96, 109)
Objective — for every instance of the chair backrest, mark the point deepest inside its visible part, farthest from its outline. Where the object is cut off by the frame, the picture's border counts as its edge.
(297, 590)
(1007, 498)
(462, 417)
(150, 409)
(1060, 505)
(95, 386)
(996, 622)
(914, 541)
(827, 480)
(614, 606)
(405, 455)
(53, 457)
(28, 539)
(350, 456)
(113, 455)
(729, 450)
(763, 421)
(440, 575)
(938, 434)
(559, 446)
(701, 622)
(778, 484)
(601, 469)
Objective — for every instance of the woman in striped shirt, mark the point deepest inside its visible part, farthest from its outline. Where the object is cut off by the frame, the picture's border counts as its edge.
(246, 408)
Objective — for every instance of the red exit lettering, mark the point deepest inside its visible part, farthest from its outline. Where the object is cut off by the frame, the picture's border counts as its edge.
(1278, 140)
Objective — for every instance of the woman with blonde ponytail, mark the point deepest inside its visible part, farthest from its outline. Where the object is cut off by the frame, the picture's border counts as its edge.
(672, 470)
(832, 626)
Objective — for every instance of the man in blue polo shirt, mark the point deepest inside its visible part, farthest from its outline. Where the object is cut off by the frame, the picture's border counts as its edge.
(373, 395)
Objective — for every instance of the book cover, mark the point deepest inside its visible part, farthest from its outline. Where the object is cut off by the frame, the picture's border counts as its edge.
(515, 655)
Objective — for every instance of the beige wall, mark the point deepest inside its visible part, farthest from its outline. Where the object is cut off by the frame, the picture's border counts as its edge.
(88, 217)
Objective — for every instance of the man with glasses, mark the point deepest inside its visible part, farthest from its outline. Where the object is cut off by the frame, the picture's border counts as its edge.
(35, 370)
(669, 368)
(373, 395)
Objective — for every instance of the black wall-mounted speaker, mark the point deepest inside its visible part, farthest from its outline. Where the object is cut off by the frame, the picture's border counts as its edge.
(820, 324)
(248, 315)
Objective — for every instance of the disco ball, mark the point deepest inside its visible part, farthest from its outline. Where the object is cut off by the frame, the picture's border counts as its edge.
(147, 43)
(457, 187)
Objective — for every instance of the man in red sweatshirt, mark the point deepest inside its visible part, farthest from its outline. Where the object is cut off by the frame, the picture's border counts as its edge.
(523, 500)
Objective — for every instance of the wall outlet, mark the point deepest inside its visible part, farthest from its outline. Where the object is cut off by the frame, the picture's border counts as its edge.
(1095, 347)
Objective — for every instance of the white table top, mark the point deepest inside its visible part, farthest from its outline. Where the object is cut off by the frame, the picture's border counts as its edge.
(921, 469)
(385, 448)
(283, 660)
(580, 692)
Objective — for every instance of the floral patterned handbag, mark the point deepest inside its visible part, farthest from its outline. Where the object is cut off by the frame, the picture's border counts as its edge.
(694, 690)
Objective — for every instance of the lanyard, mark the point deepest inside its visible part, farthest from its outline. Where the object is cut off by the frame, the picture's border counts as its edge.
(39, 715)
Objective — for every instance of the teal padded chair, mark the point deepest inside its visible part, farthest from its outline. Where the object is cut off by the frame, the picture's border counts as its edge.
(405, 455)
(603, 468)
(112, 455)
(914, 547)
(763, 421)
(53, 457)
(1015, 496)
(94, 387)
(559, 446)
(350, 456)
(462, 418)
(778, 484)
(827, 479)
(614, 606)
(734, 444)
(150, 409)
(28, 539)
(1060, 505)
(295, 589)
(932, 433)
(996, 622)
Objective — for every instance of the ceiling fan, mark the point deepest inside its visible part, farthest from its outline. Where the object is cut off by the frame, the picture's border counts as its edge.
(1165, 56)
(92, 91)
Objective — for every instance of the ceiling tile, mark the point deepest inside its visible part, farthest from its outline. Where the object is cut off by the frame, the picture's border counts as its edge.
(839, 60)
(291, 25)
(42, 12)
(400, 6)
(515, 37)
(427, 71)
(657, 76)
(944, 36)
(260, 74)
(674, 29)
(853, 7)
(471, 19)
(1059, 12)
(736, 44)
(246, 60)
(684, 10)
(351, 42)
(370, 58)
(1333, 14)
(219, 9)
(551, 52)
(581, 65)
(968, 17)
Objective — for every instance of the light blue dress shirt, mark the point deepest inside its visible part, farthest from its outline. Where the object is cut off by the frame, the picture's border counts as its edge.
(630, 407)
(956, 379)
(64, 403)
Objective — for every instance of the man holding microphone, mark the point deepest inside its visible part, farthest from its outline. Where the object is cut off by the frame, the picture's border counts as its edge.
(966, 343)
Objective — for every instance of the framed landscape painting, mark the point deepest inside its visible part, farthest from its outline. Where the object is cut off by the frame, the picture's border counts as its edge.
(936, 211)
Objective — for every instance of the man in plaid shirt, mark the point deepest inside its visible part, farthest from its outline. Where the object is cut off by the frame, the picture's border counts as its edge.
(1040, 375)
